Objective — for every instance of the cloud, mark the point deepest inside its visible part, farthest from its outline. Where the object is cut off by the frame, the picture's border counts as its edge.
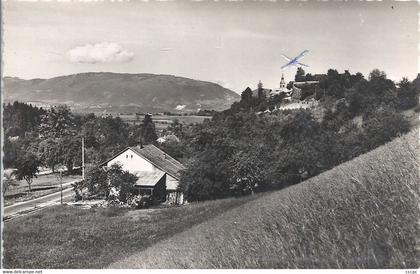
(104, 52)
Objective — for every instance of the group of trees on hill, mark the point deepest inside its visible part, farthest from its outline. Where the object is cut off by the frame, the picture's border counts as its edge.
(362, 94)
(52, 138)
(241, 150)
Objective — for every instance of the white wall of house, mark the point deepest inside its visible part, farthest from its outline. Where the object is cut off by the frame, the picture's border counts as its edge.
(132, 162)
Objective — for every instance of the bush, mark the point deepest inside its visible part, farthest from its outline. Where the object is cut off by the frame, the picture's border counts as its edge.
(114, 184)
(78, 190)
(144, 201)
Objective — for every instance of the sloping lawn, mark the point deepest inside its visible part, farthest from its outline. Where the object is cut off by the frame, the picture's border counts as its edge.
(69, 237)
(362, 214)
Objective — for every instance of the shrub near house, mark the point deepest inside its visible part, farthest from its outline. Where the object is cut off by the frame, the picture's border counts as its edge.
(114, 185)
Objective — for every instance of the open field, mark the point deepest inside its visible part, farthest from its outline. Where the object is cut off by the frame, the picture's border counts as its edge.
(42, 185)
(70, 237)
(361, 214)
(163, 121)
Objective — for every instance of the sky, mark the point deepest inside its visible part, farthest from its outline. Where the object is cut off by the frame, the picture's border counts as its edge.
(235, 44)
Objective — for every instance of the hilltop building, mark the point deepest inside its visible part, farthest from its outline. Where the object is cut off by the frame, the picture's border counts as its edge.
(282, 90)
(295, 93)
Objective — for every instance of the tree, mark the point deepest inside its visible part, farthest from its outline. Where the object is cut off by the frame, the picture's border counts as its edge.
(122, 183)
(20, 118)
(148, 131)
(416, 83)
(27, 168)
(10, 150)
(8, 181)
(407, 94)
(70, 151)
(58, 122)
(309, 77)
(50, 153)
(377, 74)
(300, 75)
(175, 128)
(247, 171)
(383, 125)
(246, 95)
(96, 182)
(261, 94)
(112, 184)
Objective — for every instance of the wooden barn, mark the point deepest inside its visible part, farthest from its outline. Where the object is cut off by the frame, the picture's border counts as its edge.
(158, 173)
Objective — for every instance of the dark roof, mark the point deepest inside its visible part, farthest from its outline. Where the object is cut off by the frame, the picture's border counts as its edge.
(149, 178)
(160, 159)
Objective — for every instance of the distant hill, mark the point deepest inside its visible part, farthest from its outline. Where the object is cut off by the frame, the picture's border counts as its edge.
(121, 92)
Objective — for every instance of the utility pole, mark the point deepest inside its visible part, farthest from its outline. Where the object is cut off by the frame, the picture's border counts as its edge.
(83, 158)
(61, 187)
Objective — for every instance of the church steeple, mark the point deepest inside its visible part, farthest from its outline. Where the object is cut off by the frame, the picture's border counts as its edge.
(282, 82)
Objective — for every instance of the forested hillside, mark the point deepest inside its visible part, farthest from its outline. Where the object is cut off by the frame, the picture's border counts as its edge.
(242, 150)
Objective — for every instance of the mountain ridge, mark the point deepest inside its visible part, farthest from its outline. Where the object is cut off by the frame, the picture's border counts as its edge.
(119, 91)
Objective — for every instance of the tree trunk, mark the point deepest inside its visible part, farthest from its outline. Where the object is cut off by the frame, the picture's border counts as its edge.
(252, 189)
(29, 184)
(70, 167)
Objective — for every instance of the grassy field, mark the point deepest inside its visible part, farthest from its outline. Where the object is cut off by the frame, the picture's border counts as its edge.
(70, 237)
(361, 214)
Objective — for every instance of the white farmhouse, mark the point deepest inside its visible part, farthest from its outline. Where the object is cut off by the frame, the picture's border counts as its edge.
(158, 173)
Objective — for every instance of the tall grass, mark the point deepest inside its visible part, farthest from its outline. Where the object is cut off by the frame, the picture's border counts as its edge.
(361, 214)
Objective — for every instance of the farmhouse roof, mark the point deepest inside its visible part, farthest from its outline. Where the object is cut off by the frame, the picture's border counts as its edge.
(160, 159)
(157, 158)
(149, 178)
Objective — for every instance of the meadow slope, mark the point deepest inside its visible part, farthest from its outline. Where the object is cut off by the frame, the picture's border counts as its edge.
(361, 214)
(71, 237)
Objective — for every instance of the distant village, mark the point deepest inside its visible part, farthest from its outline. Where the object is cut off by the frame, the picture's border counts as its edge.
(290, 93)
